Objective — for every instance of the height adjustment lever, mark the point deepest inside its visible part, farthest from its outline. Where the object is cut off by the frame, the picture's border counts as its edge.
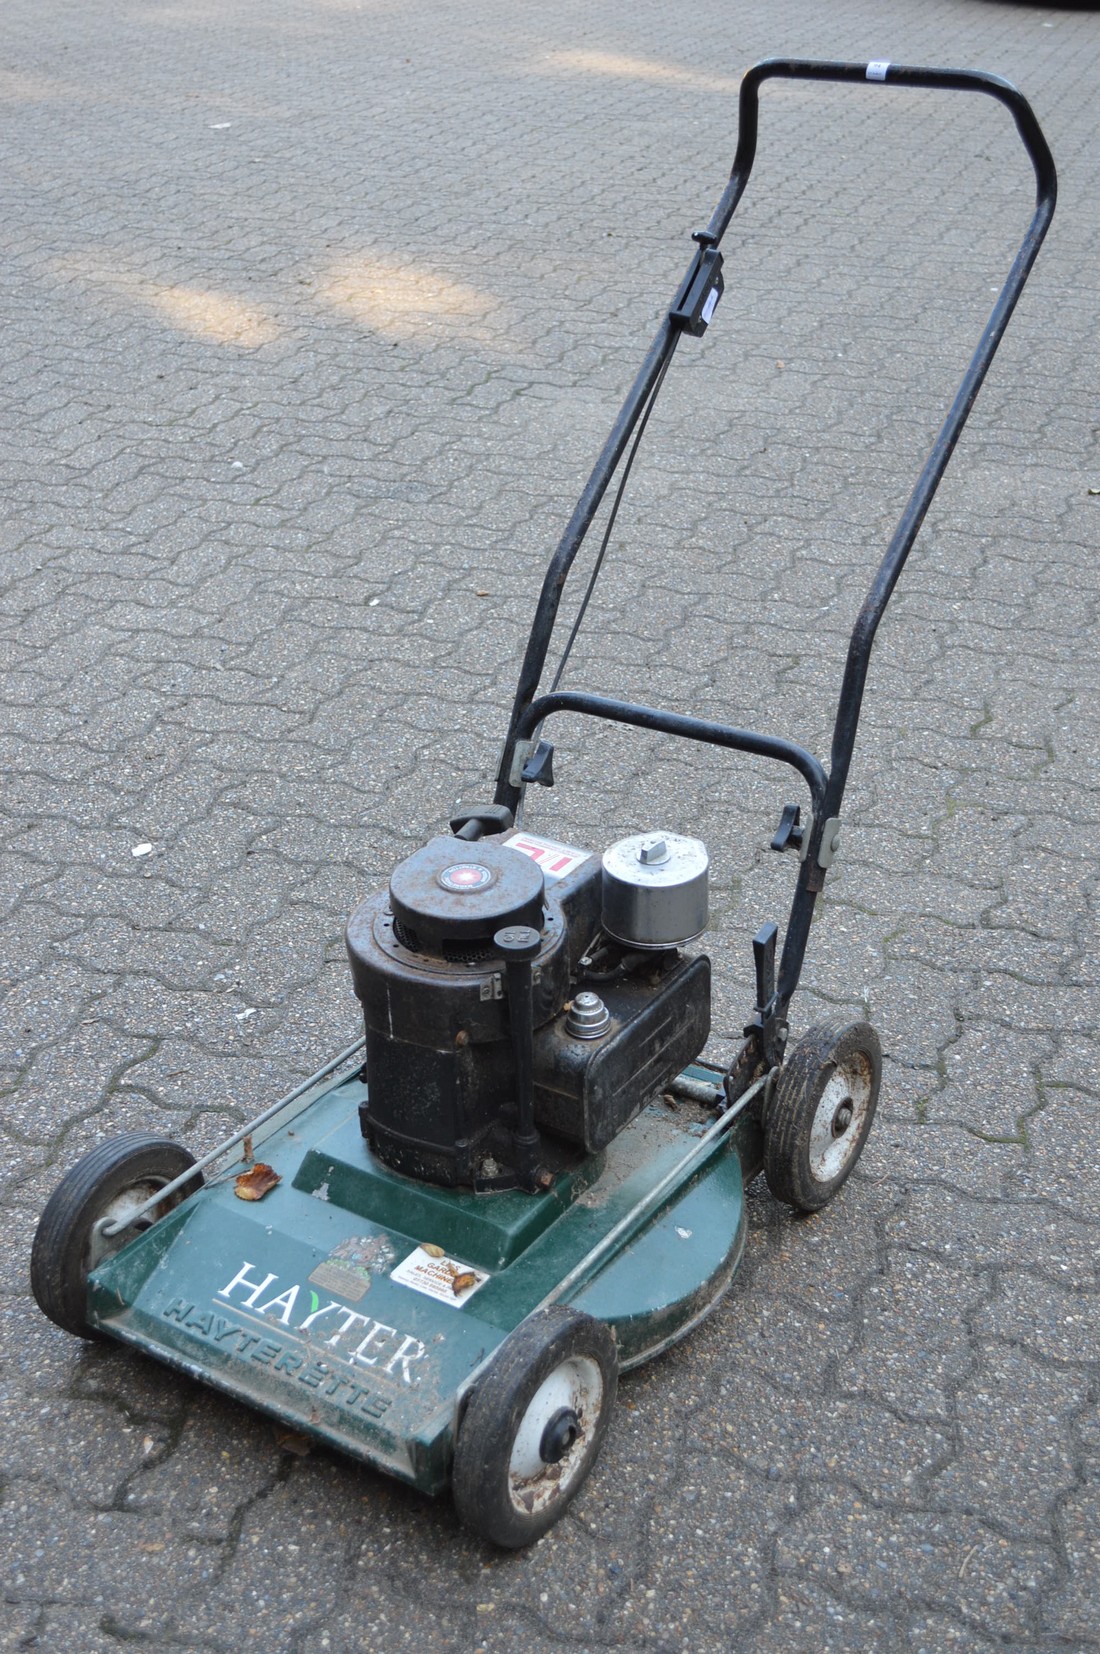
(792, 834)
(766, 1030)
(763, 954)
(539, 767)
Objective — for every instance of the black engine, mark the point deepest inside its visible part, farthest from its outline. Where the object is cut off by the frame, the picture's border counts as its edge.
(450, 1042)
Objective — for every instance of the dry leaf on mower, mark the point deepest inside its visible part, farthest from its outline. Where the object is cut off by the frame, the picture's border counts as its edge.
(431, 1249)
(255, 1184)
(461, 1281)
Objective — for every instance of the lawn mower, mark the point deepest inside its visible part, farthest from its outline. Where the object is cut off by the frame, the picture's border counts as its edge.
(469, 1222)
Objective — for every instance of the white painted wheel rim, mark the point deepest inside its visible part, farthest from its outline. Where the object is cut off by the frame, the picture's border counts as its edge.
(840, 1117)
(575, 1384)
(120, 1210)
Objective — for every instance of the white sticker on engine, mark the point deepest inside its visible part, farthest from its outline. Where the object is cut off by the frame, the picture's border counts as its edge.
(556, 860)
(442, 1278)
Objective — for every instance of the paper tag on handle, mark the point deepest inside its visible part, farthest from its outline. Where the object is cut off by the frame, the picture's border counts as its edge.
(877, 71)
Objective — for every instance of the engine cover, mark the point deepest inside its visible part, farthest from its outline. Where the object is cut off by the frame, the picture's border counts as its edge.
(439, 1056)
(450, 894)
(440, 1064)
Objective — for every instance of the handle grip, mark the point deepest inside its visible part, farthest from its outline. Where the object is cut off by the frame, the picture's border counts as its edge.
(888, 74)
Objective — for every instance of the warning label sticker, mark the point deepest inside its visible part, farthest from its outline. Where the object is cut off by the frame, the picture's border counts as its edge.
(428, 1270)
(556, 860)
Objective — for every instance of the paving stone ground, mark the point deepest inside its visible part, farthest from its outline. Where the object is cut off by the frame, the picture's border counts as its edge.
(314, 315)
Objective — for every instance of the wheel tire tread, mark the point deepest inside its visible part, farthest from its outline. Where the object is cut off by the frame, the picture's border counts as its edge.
(56, 1270)
(792, 1108)
(541, 1342)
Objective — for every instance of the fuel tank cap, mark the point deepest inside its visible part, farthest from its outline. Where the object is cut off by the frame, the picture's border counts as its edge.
(456, 891)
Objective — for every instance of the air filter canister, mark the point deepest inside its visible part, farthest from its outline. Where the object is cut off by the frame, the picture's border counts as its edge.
(655, 890)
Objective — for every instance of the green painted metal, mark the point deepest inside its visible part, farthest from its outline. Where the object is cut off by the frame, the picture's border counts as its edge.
(490, 1231)
(296, 1303)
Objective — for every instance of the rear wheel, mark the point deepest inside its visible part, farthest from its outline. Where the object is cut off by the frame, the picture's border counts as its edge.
(112, 1181)
(822, 1112)
(534, 1426)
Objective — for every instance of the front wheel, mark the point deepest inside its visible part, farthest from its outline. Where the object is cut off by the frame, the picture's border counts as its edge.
(112, 1181)
(822, 1112)
(534, 1425)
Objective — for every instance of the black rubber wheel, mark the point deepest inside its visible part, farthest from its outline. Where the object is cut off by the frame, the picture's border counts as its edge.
(113, 1178)
(534, 1426)
(822, 1112)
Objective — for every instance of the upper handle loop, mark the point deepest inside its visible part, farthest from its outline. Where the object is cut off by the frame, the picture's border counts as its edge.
(889, 74)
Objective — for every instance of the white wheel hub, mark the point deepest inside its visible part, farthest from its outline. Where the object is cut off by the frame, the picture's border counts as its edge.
(575, 1387)
(840, 1117)
(120, 1210)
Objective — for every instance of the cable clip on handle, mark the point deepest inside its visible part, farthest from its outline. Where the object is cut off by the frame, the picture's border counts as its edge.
(703, 287)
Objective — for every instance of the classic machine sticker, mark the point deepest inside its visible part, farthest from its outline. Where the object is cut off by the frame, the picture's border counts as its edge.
(446, 1279)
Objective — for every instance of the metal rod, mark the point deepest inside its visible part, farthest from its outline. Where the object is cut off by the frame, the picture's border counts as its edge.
(696, 1091)
(637, 1214)
(649, 1203)
(850, 701)
(111, 1229)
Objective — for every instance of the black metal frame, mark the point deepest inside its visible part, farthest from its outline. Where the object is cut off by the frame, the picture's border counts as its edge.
(766, 1033)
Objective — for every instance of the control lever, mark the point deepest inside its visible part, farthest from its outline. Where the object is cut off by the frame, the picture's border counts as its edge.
(763, 954)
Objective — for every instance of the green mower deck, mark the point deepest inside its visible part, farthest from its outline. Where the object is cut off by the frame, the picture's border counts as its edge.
(358, 1306)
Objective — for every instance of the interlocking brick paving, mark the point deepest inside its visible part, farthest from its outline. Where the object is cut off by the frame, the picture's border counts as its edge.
(315, 314)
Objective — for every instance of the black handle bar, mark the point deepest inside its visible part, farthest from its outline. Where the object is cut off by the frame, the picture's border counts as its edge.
(1046, 190)
(525, 715)
(889, 74)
